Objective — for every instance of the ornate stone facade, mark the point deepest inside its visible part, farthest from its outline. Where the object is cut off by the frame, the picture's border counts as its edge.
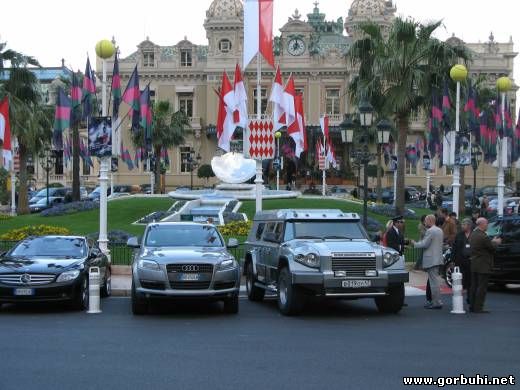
(313, 50)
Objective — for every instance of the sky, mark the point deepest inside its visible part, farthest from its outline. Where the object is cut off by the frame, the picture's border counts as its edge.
(51, 30)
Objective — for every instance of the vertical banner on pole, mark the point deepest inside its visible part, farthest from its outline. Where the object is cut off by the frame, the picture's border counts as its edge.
(261, 139)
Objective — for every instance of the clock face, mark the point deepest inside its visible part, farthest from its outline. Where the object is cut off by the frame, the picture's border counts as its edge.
(296, 47)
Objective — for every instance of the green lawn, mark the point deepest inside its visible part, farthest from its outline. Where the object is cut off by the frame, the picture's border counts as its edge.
(121, 213)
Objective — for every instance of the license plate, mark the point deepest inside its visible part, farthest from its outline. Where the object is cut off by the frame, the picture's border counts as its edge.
(356, 283)
(23, 291)
(189, 277)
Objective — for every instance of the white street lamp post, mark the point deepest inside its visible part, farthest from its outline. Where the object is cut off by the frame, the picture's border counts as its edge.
(503, 84)
(277, 135)
(458, 73)
(104, 49)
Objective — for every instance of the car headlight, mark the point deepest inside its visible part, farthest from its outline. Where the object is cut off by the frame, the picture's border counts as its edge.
(68, 276)
(310, 260)
(390, 258)
(148, 265)
(227, 264)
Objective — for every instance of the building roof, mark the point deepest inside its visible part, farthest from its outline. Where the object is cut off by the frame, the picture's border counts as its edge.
(44, 74)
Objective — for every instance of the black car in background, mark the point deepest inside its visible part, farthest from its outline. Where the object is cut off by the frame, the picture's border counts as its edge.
(52, 268)
(507, 257)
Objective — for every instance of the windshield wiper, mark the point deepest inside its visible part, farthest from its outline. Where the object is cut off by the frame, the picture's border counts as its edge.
(337, 237)
(309, 238)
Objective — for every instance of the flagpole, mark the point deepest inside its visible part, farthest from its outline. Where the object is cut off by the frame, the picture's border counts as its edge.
(13, 178)
(258, 180)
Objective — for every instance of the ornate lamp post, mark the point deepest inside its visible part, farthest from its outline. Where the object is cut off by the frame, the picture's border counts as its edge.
(277, 135)
(104, 49)
(347, 137)
(458, 73)
(476, 158)
(383, 137)
(365, 118)
(504, 85)
(47, 159)
(192, 163)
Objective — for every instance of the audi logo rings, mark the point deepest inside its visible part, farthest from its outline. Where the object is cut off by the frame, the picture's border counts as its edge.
(190, 268)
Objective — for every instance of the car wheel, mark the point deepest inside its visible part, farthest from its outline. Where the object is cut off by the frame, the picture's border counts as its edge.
(80, 302)
(290, 297)
(231, 305)
(254, 293)
(392, 302)
(139, 304)
(448, 271)
(106, 290)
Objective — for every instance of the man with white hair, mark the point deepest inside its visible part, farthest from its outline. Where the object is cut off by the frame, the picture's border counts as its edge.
(482, 253)
(432, 259)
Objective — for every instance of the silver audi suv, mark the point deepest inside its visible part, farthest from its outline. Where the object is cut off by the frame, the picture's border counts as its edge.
(184, 260)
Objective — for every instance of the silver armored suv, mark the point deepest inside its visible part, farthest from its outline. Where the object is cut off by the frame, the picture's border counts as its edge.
(184, 260)
(325, 253)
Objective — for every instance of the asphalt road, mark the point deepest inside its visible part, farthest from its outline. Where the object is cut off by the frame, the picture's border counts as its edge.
(333, 345)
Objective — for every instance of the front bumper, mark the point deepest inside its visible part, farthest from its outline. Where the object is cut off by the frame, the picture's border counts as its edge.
(223, 284)
(50, 292)
(326, 284)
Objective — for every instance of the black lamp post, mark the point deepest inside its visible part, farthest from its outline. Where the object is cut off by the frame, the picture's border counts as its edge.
(383, 137)
(192, 162)
(347, 137)
(366, 112)
(47, 159)
(476, 158)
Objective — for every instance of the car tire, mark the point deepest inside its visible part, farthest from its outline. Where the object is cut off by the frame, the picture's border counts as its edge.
(106, 289)
(80, 301)
(448, 271)
(393, 302)
(139, 304)
(231, 305)
(254, 293)
(290, 298)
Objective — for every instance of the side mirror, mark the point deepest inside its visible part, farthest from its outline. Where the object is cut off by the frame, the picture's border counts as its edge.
(232, 243)
(133, 242)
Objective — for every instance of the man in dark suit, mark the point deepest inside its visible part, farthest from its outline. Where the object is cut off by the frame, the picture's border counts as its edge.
(482, 253)
(395, 236)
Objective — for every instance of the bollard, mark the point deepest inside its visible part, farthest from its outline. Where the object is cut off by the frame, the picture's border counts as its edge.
(456, 287)
(93, 291)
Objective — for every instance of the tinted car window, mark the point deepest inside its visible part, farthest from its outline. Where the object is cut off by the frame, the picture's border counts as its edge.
(183, 235)
(259, 230)
(331, 229)
(51, 246)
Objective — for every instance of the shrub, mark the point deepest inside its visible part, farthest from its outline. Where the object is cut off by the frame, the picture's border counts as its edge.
(114, 236)
(39, 230)
(236, 228)
(69, 208)
(205, 172)
(5, 217)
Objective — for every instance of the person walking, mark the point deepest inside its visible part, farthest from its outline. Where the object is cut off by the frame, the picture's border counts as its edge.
(432, 260)
(422, 231)
(482, 252)
(461, 251)
(395, 235)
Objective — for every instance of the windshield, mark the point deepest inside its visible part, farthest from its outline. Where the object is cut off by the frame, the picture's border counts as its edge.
(325, 229)
(51, 246)
(508, 229)
(183, 235)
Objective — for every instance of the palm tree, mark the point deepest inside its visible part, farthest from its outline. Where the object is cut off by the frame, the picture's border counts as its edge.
(15, 58)
(168, 129)
(31, 122)
(404, 67)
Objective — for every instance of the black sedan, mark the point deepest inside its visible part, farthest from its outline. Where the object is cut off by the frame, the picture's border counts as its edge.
(52, 268)
(506, 267)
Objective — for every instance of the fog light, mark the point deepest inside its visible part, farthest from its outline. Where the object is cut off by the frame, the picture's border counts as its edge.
(340, 274)
(371, 273)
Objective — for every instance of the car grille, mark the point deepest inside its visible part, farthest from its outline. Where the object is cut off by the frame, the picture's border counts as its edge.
(353, 264)
(224, 285)
(190, 268)
(29, 279)
(151, 285)
(192, 285)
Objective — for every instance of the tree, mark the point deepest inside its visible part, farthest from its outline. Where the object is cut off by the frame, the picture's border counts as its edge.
(31, 122)
(402, 70)
(205, 172)
(168, 129)
(14, 58)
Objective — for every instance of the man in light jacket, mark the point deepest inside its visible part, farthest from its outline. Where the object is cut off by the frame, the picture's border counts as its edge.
(432, 244)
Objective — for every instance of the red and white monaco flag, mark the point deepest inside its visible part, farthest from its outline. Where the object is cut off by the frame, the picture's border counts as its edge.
(288, 104)
(227, 105)
(258, 30)
(5, 133)
(297, 128)
(277, 99)
(240, 117)
(330, 156)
